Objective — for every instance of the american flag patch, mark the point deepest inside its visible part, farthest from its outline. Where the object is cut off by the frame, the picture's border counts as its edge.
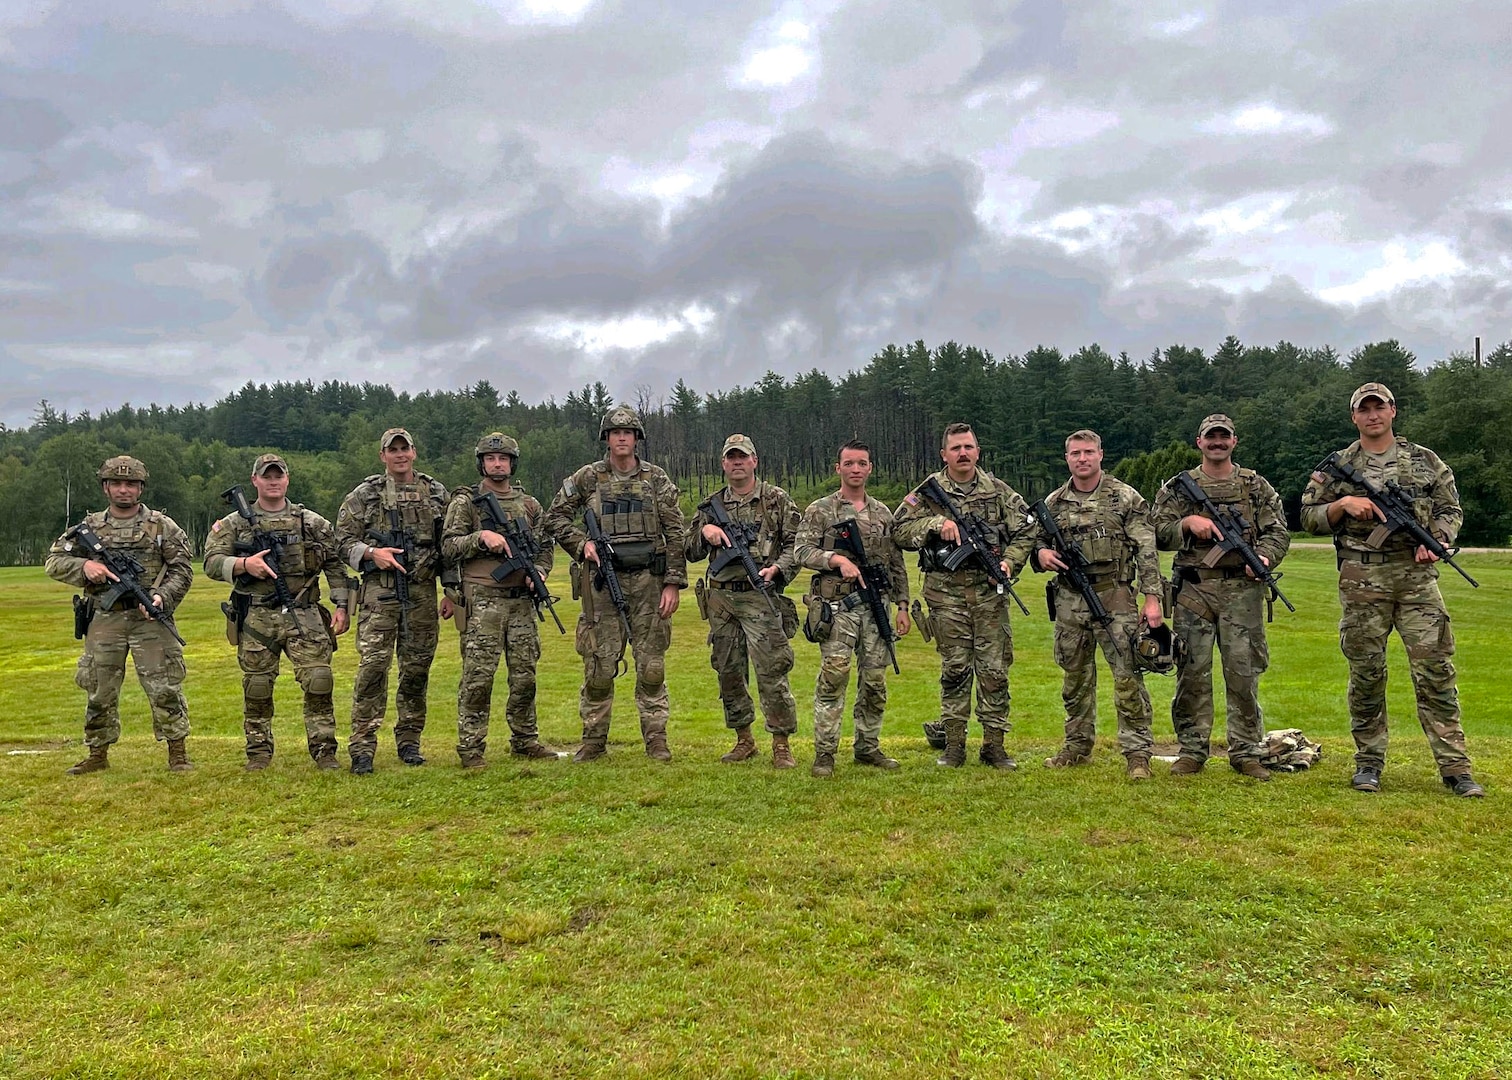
(912, 498)
(215, 527)
(1319, 478)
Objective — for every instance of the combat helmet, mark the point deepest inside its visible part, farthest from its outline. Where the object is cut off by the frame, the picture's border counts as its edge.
(622, 416)
(123, 467)
(496, 442)
(1159, 650)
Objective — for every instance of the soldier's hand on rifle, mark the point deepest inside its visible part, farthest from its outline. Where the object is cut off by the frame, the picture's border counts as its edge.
(1006, 567)
(1248, 572)
(340, 621)
(1201, 528)
(1050, 559)
(1423, 555)
(254, 565)
(768, 572)
(386, 558)
(714, 535)
(671, 596)
(949, 530)
(1152, 614)
(496, 543)
(849, 571)
(97, 572)
(1356, 506)
(902, 622)
(157, 602)
(590, 552)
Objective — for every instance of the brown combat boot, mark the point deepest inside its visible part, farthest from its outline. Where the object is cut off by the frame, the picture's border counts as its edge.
(744, 748)
(1253, 769)
(591, 750)
(1067, 758)
(1138, 767)
(656, 747)
(97, 761)
(782, 754)
(258, 762)
(824, 765)
(873, 755)
(1185, 766)
(473, 759)
(992, 752)
(178, 757)
(535, 751)
(955, 745)
(327, 761)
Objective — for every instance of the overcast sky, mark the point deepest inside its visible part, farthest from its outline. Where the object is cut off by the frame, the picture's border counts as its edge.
(547, 192)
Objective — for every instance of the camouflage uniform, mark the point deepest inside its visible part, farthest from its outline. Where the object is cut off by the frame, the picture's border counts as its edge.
(498, 618)
(302, 633)
(1220, 604)
(968, 616)
(162, 548)
(421, 504)
(1111, 526)
(1381, 588)
(851, 629)
(743, 632)
(646, 532)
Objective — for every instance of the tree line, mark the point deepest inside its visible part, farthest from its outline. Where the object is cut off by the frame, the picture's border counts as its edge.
(1289, 403)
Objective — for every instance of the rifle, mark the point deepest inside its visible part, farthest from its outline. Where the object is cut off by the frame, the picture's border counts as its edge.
(399, 537)
(272, 543)
(1076, 563)
(1233, 527)
(874, 579)
(128, 578)
(606, 577)
(739, 548)
(523, 550)
(973, 544)
(1395, 508)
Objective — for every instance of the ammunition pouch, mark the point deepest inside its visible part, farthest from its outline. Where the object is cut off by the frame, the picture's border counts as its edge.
(459, 597)
(235, 610)
(924, 622)
(632, 556)
(820, 620)
(84, 613)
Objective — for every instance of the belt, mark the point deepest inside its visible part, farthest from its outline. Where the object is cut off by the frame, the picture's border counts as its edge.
(1207, 573)
(510, 592)
(832, 586)
(732, 586)
(271, 600)
(1372, 558)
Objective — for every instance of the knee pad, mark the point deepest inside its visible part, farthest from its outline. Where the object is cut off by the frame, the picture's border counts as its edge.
(257, 687)
(317, 680)
(652, 673)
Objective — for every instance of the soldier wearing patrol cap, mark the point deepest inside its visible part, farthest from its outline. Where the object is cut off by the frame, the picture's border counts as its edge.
(636, 504)
(162, 548)
(1219, 602)
(385, 513)
(1390, 585)
(497, 618)
(302, 545)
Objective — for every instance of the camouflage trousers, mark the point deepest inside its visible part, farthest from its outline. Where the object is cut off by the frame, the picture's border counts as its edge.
(601, 643)
(851, 632)
(1231, 615)
(378, 639)
(744, 634)
(497, 626)
(1403, 596)
(159, 662)
(1077, 638)
(974, 638)
(301, 635)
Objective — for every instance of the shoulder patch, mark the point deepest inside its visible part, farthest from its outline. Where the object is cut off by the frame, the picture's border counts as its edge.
(215, 527)
(912, 498)
(1319, 478)
(569, 489)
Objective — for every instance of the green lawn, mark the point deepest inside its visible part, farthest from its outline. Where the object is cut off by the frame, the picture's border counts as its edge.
(633, 919)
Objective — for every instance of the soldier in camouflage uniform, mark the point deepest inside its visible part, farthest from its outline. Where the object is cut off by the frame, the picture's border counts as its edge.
(636, 506)
(743, 631)
(850, 629)
(968, 616)
(497, 617)
(365, 521)
(1222, 603)
(1110, 523)
(160, 546)
(258, 624)
(1387, 582)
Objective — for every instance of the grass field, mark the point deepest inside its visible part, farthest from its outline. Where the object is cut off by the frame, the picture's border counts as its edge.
(633, 919)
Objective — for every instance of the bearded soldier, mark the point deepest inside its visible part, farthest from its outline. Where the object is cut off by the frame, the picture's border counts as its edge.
(968, 613)
(496, 615)
(1219, 601)
(1391, 582)
(635, 505)
(749, 623)
(390, 527)
(273, 554)
(161, 550)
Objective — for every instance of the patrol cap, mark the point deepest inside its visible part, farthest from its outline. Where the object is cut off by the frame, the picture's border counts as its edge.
(1214, 423)
(269, 461)
(742, 443)
(395, 433)
(1370, 389)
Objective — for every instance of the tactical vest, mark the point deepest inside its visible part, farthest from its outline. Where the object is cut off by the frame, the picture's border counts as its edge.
(983, 501)
(1413, 473)
(479, 570)
(418, 515)
(626, 506)
(1095, 527)
(140, 536)
(761, 520)
(1236, 494)
(300, 557)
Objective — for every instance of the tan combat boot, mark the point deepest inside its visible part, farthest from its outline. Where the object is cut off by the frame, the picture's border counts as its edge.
(473, 759)
(744, 748)
(1253, 769)
(536, 751)
(97, 761)
(656, 747)
(1066, 758)
(1186, 766)
(1138, 767)
(992, 752)
(782, 754)
(591, 750)
(178, 757)
(824, 765)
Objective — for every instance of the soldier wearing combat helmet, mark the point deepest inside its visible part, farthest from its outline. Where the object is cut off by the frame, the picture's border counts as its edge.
(636, 505)
(162, 549)
(497, 617)
(1391, 582)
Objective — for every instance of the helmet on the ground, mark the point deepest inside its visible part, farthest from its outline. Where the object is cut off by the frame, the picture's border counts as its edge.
(1159, 650)
(123, 468)
(622, 416)
(496, 442)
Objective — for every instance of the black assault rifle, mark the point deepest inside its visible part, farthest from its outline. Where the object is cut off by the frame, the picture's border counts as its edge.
(974, 543)
(1076, 564)
(739, 548)
(1232, 526)
(399, 537)
(1395, 508)
(874, 581)
(272, 543)
(523, 550)
(606, 577)
(128, 578)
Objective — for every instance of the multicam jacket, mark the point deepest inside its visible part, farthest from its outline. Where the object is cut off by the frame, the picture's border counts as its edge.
(1418, 471)
(769, 514)
(644, 511)
(1245, 493)
(461, 541)
(149, 536)
(309, 549)
(918, 521)
(422, 506)
(1111, 526)
(816, 540)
